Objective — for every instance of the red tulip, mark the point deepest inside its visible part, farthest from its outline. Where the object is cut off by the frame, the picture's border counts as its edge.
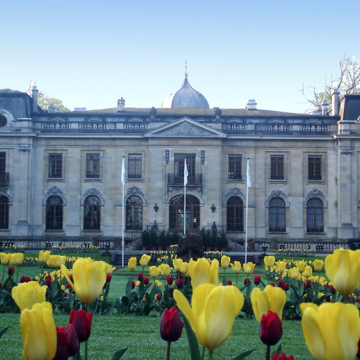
(179, 283)
(282, 357)
(270, 328)
(286, 287)
(48, 280)
(82, 323)
(257, 280)
(133, 284)
(146, 280)
(171, 325)
(272, 284)
(140, 276)
(307, 284)
(246, 281)
(73, 339)
(158, 296)
(10, 270)
(62, 347)
(169, 280)
(108, 278)
(229, 282)
(280, 283)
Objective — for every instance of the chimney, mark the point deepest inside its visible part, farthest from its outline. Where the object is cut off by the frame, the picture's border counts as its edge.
(324, 108)
(35, 93)
(335, 97)
(51, 108)
(120, 105)
(251, 104)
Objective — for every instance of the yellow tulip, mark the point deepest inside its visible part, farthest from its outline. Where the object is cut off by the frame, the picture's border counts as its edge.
(343, 269)
(43, 256)
(154, 272)
(294, 273)
(307, 272)
(331, 330)
(280, 267)
(4, 258)
(144, 261)
(38, 332)
(184, 267)
(16, 259)
(212, 312)
(132, 263)
(54, 261)
(27, 294)
(272, 298)
(225, 261)
(301, 266)
(249, 268)
(269, 261)
(236, 267)
(204, 273)
(318, 265)
(109, 269)
(177, 263)
(89, 278)
(165, 270)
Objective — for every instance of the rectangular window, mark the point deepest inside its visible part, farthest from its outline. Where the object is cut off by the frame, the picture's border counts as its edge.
(179, 163)
(134, 166)
(93, 166)
(3, 178)
(55, 166)
(235, 167)
(277, 167)
(314, 167)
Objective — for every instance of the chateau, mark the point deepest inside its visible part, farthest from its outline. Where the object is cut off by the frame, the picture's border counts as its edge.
(60, 173)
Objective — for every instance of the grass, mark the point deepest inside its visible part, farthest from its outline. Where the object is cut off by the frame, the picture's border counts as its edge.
(141, 335)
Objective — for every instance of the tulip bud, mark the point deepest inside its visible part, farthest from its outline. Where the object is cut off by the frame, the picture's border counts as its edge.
(140, 276)
(246, 281)
(11, 270)
(73, 339)
(307, 284)
(48, 280)
(229, 282)
(270, 328)
(170, 280)
(158, 296)
(171, 325)
(257, 280)
(82, 323)
(286, 287)
(272, 284)
(133, 284)
(146, 280)
(108, 278)
(179, 283)
(282, 357)
(62, 347)
(280, 283)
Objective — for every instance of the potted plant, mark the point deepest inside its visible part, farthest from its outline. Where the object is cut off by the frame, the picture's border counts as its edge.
(223, 241)
(145, 239)
(153, 239)
(162, 240)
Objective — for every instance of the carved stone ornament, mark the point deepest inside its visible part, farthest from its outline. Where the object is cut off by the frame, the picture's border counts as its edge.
(186, 129)
(167, 156)
(202, 157)
(136, 191)
(93, 192)
(280, 194)
(234, 192)
(345, 150)
(315, 193)
(4, 193)
(54, 191)
(24, 147)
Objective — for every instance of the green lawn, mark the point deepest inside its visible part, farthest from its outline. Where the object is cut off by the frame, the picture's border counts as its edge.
(142, 336)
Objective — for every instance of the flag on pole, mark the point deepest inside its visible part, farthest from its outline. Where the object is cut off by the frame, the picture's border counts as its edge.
(186, 174)
(123, 171)
(248, 174)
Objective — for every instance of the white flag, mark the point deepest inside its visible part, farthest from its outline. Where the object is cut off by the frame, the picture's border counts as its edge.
(123, 171)
(186, 174)
(248, 174)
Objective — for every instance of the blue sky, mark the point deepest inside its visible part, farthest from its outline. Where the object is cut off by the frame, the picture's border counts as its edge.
(90, 53)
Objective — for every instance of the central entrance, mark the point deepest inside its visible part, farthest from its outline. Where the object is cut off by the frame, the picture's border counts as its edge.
(176, 221)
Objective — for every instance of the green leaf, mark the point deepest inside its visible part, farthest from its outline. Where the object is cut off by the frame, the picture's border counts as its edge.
(249, 290)
(119, 354)
(278, 350)
(192, 340)
(128, 288)
(243, 355)
(3, 331)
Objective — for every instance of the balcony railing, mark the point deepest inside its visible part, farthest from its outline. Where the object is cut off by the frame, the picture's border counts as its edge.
(174, 179)
(4, 178)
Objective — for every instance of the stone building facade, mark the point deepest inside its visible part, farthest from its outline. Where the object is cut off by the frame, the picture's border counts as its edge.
(60, 173)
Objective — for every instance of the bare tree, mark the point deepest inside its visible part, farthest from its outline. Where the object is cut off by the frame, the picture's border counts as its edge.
(44, 100)
(347, 83)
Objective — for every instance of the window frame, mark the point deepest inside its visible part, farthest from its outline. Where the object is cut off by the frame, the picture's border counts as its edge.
(179, 165)
(135, 159)
(235, 214)
(90, 215)
(134, 212)
(92, 174)
(58, 164)
(277, 212)
(277, 167)
(235, 164)
(311, 210)
(176, 208)
(315, 170)
(54, 212)
(4, 212)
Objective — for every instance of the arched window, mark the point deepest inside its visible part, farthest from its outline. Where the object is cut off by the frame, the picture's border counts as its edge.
(4, 212)
(134, 213)
(314, 218)
(177, 213)
(54, 213)
(92, 213)
(277, 215)
(235, 214)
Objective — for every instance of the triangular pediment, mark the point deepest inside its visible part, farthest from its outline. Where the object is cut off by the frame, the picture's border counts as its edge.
(187, 128)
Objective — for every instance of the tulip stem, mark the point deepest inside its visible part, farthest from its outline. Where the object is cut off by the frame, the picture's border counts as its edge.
(168, 351)
(17, 273)
(268, 352)
(86, 342)
(3, 275)
(210, 354)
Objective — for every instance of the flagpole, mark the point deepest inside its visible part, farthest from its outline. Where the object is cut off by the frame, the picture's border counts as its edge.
(185, 182)
(248, 184)
(123, 212)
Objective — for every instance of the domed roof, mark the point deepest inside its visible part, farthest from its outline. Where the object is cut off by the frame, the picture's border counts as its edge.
(187, 97)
